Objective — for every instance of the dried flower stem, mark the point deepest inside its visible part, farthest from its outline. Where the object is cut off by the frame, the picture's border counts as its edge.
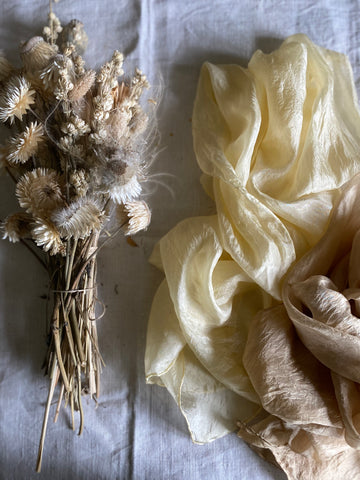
(74, 333)
(52, 385)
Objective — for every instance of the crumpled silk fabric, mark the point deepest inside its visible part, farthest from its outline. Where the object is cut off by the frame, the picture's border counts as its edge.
(275, 142)
(303, 357)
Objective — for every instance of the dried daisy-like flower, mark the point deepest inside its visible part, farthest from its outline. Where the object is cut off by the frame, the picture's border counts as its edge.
(129, 190)
(45, 235)
(16, 99)
(137, 216)
(17, 226)
(79, 219)
(120, 176)
(25, 145)
(39, 191)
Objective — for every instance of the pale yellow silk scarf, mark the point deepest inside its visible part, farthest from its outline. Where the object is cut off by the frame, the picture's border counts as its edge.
(276, 142)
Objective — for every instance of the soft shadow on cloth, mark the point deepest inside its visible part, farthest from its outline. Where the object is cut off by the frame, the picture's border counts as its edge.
(232, 334)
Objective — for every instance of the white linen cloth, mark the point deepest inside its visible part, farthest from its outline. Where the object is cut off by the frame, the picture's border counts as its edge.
(137, 432)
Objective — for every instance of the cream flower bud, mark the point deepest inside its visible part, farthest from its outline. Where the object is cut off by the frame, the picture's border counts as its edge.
(36, 54)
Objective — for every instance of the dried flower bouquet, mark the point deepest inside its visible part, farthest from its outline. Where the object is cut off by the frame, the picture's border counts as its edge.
(75, 153)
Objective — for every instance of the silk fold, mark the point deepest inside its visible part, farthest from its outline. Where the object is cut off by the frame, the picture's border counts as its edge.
(227, 334)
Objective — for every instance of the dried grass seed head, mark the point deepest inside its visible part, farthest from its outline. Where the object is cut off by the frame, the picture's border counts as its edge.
(79, 65)
(65, 79)
(82, 86)
(80, 218)
(17, 226)
(23, 146)
(16, 99)
(40, 192)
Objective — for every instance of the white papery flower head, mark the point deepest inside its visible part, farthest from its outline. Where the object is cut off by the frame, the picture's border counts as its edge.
(137, 216)
(16, 99)
(39, 191)
(126, 192)
(46, 235)
(80, 218)
(25, 145)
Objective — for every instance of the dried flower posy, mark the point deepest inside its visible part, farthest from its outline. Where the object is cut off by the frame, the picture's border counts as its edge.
(74, 151)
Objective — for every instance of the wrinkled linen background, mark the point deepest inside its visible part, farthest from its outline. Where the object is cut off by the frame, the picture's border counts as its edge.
(137, 431)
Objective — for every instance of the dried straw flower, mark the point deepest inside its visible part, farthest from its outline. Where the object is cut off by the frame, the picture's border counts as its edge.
(129, 190)
(36, 54)
(137, 216)
(17, 226)
(16, 99)
(25, 145)
(121, 175)
(39, 191)
(79, 219)
(45, 235)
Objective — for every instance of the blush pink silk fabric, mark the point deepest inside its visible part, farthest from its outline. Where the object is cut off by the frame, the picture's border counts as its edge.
(303, 357)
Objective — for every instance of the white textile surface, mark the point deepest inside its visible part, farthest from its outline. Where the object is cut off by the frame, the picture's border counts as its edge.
(137, 431)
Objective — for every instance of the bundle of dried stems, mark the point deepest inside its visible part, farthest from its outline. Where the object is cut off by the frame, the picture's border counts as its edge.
(76, 155)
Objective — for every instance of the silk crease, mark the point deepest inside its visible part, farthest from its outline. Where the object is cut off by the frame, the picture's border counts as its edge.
(275, 142)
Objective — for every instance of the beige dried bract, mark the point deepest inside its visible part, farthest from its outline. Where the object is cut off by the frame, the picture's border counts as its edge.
(39, 191)
(46, 235)
(135, 215)
(23, 146)
(16, 99)
(17, 226)
(80, 218)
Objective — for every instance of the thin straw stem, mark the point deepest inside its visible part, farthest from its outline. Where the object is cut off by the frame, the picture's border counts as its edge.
(46, 416)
